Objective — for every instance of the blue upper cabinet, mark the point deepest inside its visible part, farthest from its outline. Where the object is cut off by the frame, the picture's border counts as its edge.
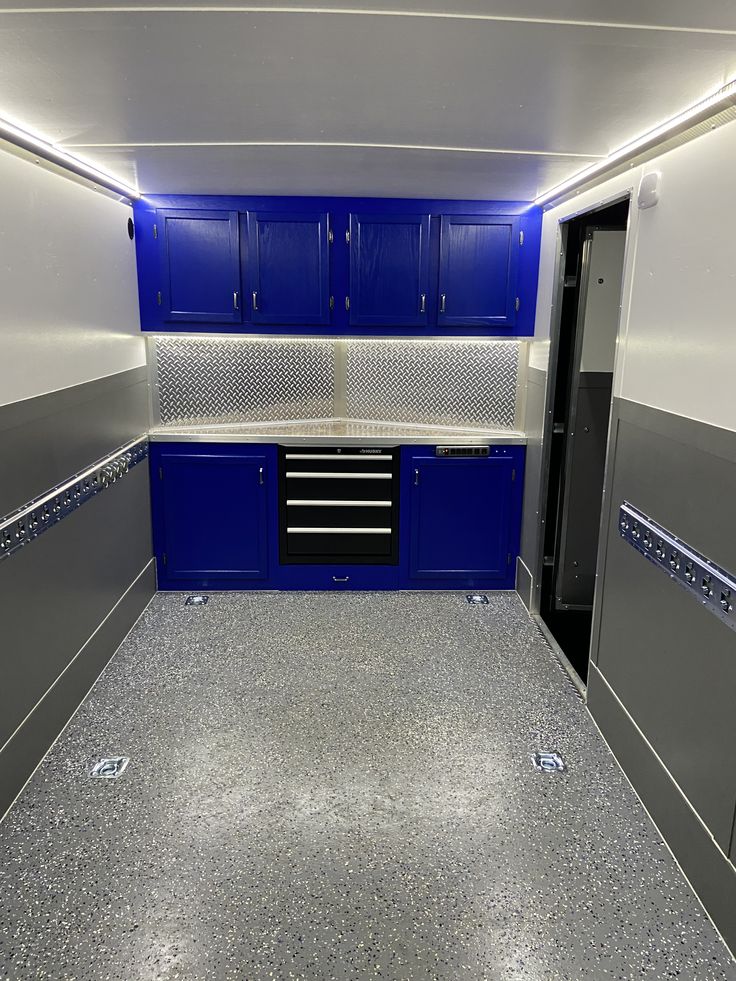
(478, 271)
(288, 267)
(396, 267)
(389, 270)
(200, 266)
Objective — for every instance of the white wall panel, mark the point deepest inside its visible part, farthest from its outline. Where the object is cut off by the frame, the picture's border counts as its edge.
(680, 352)
(677, 340)
(69, 310)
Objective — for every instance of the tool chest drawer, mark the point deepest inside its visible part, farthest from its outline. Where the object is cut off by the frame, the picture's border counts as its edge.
(338, 504)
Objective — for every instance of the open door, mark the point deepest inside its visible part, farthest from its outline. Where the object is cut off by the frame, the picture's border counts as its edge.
(583, 377)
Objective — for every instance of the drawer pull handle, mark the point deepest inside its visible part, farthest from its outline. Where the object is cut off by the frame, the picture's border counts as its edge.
(338, 531)
(340, 578)
(304, 503)
(330, 475)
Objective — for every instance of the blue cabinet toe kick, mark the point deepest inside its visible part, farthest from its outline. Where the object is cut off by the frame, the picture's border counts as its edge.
(216, 522)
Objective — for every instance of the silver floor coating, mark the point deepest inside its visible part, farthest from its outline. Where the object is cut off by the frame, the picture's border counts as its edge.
(335, 786)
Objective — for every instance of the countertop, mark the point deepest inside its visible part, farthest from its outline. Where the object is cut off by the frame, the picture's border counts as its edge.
(325, 432)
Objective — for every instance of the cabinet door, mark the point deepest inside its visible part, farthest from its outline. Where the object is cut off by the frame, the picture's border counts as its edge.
(478, 259)
(200, 266)
(389, 270)
(288, 263)
(461, 518)
(214, 516)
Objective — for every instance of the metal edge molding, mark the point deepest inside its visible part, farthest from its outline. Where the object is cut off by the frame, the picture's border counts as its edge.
(712, 586)
(32, 519)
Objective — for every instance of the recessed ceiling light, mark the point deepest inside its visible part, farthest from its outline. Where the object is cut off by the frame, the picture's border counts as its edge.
(719, 100)
(22, 137)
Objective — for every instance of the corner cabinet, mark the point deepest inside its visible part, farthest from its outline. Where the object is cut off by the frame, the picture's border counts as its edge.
(477, 271)
(389, 270)
(200, 266)
(288, 267)
(464, 515)
(211, 513)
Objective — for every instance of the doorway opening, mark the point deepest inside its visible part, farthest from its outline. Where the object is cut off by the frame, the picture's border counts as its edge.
(581, 366)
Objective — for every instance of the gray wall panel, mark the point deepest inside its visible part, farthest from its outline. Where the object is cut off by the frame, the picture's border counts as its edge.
(31, 741)
(669, 661)
(711, 875)
(53, 436)
(57, 589)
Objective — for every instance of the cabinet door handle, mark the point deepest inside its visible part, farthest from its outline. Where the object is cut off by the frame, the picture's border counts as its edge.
(235, 300)
(260, 476)
(423, 303)
(443, 302)
(255, 300)
(416, 478)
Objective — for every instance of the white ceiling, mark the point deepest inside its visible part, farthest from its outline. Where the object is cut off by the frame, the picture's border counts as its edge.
(484, 98)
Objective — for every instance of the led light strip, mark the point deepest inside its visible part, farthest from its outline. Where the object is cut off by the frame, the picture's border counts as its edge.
(711, 585)
(49, 151)
(724, 98)
(37, 516)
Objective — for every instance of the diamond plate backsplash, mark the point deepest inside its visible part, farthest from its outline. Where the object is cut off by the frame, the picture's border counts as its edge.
(454, 383)
(445, 383)
(244, 379)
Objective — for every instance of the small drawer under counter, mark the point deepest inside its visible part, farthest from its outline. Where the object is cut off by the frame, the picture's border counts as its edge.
(339, 504)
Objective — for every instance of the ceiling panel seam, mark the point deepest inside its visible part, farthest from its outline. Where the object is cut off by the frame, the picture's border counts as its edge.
(317, 144)
(368, 12)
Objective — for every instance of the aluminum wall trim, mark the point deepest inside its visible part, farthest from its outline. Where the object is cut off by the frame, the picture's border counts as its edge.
(536, 563)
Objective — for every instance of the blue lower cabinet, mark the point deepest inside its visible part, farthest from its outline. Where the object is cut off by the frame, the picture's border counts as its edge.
(215, 522)
(211, 506)
(462, 527)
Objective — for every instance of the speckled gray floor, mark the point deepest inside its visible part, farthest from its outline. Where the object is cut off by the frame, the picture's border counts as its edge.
(335, 786)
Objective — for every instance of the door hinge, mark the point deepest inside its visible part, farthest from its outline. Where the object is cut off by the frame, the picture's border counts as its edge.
(347, 237)
(155, 231)
(165, 559)
(517, 304)
(330, 237)
(513, 474)
(521, 238)
(158, 298)
(347, 302)
(160, 473)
